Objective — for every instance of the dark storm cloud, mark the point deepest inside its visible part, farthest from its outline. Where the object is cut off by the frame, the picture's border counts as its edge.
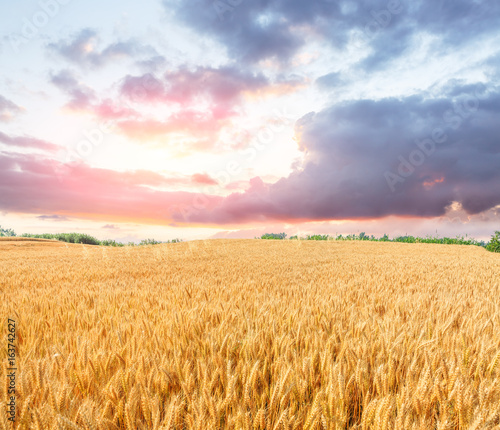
(369, 159)
(257, 30)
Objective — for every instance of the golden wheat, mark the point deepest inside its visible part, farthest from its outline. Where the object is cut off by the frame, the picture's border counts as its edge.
(251, 334)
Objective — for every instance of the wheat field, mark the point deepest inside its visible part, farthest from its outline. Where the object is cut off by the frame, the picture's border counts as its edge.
(253, 334)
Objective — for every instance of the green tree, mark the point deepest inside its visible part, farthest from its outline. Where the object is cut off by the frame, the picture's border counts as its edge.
(6, 232)
(494, 245)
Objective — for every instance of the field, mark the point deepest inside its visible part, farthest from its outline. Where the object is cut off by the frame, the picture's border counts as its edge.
(252, 334)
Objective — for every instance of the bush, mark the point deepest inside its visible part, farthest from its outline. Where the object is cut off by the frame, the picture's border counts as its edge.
(405, 239)
(459, 240)
(149, 242)
(318, 237)
(89, 240)
(67, 237)
(111, 243)
(276, 236)
(6, 232)
(494, 245)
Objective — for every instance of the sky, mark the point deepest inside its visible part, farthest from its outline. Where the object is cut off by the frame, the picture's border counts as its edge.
(200, 119)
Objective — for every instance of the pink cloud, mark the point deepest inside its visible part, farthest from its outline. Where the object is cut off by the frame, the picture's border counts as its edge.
(27, 142)
(203, 179)
(109, 110)
(81, 96)
(37, 185)
(32, 184)
(220, 86)
(203, 102)
(200, 128)
(237, 186)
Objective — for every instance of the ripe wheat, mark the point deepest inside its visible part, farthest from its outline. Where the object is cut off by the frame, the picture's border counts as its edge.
(253, 335)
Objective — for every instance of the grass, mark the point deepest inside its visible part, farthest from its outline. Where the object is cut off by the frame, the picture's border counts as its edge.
(66, 237)
(247, 334)
(81, 238)
(493, 245)
(89, 240)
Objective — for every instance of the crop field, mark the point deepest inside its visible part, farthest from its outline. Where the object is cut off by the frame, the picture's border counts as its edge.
(252, 334)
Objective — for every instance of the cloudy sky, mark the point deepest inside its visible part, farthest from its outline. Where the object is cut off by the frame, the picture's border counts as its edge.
(230, 118)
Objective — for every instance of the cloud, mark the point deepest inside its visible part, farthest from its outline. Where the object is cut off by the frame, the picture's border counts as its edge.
(223, 86)
(153, 64)
(27, 142)
(52, 218)
(203, 179)
(82, 50)
(139, 126)
(239, 28)
(444, 151)
(330, 80)
(201, 101)
(278, 29)
(7, 109)
(198, 103)
(84, 99)
(81, 96)
(110, 227)
(200, 128)
(36, 184)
